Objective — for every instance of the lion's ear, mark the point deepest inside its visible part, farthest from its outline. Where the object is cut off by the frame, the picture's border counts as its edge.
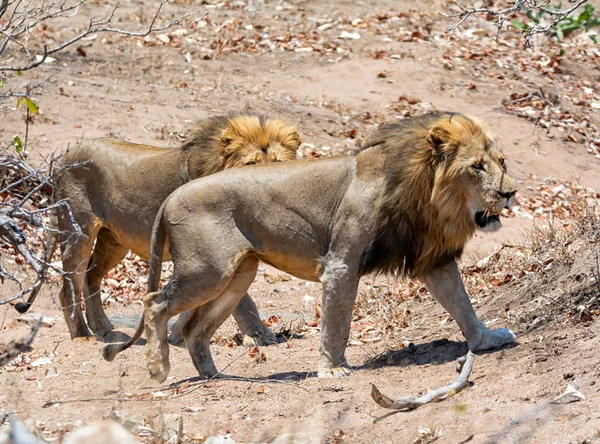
(296, 140)
(437, 138)
(226, 137)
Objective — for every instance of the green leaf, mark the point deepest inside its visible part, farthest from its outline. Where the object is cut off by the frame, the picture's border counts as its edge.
(19, 73)
(1, 83)
(519, 25)
(593, 23)
(567, 29)
(18, 144)
(594, 39)
(588, 13)
(33, 107)
(559, 34)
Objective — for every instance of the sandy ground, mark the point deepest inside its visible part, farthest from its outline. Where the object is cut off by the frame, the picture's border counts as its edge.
(151, 92)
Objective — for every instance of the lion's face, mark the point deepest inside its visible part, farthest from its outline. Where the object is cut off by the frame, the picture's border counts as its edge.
(248, 141)
(473, 170)
(475, 163)
(493, 189)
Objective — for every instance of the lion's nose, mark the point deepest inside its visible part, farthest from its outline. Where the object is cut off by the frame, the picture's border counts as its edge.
(507, 194)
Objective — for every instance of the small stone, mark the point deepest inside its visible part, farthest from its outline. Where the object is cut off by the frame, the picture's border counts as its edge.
(219, 440)
(349, 35)
(295, 438)
(32, 318)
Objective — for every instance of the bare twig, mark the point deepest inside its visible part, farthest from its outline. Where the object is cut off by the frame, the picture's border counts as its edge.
(23, 21)
(3, 7)
(411, 403)
(14, 349)
(25, 200)
(518, 7)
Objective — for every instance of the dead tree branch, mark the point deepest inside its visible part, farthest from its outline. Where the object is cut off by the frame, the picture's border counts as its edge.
(14, 349)
(517, 8)
(411, 402)
(25, 196)
(24, 17)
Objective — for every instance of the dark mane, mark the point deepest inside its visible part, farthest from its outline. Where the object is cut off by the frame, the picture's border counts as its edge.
(418, 230)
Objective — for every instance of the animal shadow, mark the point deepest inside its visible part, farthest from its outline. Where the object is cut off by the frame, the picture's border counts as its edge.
(435, 352)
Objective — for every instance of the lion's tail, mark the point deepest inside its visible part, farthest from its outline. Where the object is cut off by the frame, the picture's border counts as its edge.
(157, 246)
(49, 248)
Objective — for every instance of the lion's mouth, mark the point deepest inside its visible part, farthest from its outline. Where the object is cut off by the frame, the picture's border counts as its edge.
(484, 218)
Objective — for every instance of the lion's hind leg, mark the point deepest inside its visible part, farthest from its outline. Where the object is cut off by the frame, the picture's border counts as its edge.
(156, 316)
(248, 320)
(210, 316)
(108, 252)
(215, 294)
(76, 250)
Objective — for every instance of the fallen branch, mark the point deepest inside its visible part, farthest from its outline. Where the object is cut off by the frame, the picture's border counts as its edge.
(411, 403)
(14, 349)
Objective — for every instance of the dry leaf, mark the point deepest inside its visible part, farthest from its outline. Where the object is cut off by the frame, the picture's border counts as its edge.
(263, 389)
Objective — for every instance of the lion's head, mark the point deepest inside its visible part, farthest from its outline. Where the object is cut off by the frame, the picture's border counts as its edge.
(473, 167)
(237, 140)
(445, 178)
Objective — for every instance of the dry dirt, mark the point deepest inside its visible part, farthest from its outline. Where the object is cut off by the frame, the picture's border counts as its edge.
(149, 92)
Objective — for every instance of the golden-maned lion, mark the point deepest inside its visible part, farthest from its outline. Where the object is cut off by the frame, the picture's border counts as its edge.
(406, 204)
(118, 188)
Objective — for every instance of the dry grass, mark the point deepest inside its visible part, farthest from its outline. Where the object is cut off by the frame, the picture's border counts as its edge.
(385, 305)
(553, 272)
(550, 239)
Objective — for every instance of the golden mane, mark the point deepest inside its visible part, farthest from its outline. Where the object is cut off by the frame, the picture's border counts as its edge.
(423, 217)
(220, 142)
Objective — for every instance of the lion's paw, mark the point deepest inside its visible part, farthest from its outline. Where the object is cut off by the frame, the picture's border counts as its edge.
(335, 372)
(488, 339)
(268, 337)
(176, 337)
(100, 326)
(158, 373)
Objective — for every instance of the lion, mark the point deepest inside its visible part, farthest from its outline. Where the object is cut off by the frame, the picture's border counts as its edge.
(405, 204)
(115, 189)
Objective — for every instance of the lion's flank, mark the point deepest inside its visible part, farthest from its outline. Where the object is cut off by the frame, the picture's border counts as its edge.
(423, 219)
(220, 142)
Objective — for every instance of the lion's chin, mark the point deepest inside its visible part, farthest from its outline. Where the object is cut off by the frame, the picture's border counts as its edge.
(487, 222)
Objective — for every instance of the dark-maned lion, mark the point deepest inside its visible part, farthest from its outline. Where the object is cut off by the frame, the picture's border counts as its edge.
(406, 204)
(115, 195)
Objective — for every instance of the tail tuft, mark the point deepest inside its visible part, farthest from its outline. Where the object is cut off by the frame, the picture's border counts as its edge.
(110, 351)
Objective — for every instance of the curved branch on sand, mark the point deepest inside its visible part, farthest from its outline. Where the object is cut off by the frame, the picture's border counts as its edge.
(465, 365)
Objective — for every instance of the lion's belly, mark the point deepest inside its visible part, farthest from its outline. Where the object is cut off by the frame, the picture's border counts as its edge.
(309, 269)
(139, 243)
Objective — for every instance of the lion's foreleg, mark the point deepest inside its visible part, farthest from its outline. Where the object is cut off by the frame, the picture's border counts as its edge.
(446, 286)
(339, 293)
(108, 252)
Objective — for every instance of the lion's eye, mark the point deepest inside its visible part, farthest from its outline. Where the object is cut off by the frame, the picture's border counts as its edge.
(478, 166)
(252, 162)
